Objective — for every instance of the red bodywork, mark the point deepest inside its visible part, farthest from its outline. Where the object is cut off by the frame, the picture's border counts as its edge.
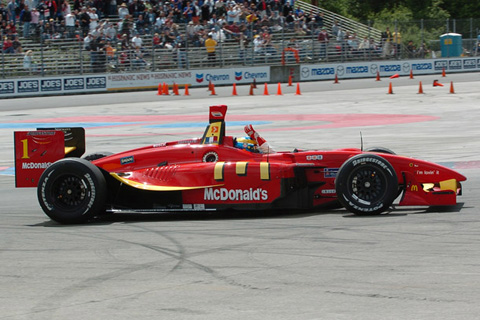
(211, 173)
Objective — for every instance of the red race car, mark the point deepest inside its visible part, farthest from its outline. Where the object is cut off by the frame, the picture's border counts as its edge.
(220, 172)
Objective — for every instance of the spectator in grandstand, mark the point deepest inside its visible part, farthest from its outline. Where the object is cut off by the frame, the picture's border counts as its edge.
(323, 39)
(157, 41)
(218, 36)
(110, 53)
(123, 11)
(137, 41)
(353, 43)
(70, 19)
(126, 26)
(181, 46)
(386, 43)
(290, 20)
(112, 8)
(109, 32)
(258, 45)
(35, 18)
(92, 12)
(210, 45)
(28, 63)
(364, 45)
(136, 7)
(396, 42)
(160, 22)
(141, 25)
(65, 9)
(124, 43)
(7, 45)
(220, 8)
(233, 15)
(335, 28)
(50, 9)
(206, 11)
(10, 29)
(84, 18)
(11, 7)
(138, 62)
(17, 45)
(26, 19)
(3, 12)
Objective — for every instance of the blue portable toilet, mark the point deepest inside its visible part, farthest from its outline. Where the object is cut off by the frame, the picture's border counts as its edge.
(451, 45)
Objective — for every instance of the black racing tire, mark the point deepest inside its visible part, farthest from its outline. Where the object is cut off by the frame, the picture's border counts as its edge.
(366, 184)
(380, 150)
(72, 190)
(97, 155)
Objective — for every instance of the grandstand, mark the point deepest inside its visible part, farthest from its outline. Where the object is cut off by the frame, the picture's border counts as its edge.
(68, 56)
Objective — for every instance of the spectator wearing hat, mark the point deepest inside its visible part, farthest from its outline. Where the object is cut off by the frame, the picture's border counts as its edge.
(210, 45)
(123, 11)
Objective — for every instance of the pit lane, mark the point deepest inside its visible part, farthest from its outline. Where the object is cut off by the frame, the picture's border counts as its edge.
(411, 263)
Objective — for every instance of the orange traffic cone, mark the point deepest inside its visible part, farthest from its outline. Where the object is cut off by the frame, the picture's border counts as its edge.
(265, 91)
(254, 83)
(396, 75)
(212, 92)
(251, 90)
(451, 87)
(175, 89)
(437, 84)
(411, 74)
(443, 72)
(298, 93)
(390, 89)
(336, 78)
(209, 85)
(234, 90)
(165, 89)
(279, 89)
(290, 81)
(378, 76)
(160, 90)
(186, 90)
(420, 89)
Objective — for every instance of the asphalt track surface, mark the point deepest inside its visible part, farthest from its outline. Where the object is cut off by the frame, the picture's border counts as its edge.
(410, 263)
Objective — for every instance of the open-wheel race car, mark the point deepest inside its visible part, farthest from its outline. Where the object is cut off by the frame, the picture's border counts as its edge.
(220, 172)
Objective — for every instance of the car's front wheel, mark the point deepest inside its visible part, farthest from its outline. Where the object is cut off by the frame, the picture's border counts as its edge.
(366, 184)
(72, 190)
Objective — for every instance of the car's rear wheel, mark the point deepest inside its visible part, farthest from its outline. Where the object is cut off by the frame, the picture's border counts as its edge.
(366, 184)
(72, 190)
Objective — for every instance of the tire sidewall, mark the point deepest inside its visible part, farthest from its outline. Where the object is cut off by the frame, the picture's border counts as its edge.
(352, 202)
(91, 177)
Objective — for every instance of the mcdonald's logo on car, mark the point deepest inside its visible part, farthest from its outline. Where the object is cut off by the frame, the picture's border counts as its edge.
(414, 188)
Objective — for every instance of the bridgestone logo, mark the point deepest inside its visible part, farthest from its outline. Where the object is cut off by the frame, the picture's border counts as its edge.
(223, 194)
(36, 165)
(372, 160)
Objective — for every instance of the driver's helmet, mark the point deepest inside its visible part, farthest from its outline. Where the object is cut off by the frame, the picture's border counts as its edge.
(246, 143)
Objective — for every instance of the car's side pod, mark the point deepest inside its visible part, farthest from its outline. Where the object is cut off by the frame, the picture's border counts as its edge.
(37, 150)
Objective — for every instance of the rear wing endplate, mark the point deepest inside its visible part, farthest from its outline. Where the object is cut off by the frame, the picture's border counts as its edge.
(36, 150)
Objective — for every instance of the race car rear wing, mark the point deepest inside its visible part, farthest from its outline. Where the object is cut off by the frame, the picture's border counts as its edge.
(215, 131)
(36, 150)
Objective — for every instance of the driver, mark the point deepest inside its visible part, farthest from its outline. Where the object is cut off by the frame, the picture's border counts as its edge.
(254, 142)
